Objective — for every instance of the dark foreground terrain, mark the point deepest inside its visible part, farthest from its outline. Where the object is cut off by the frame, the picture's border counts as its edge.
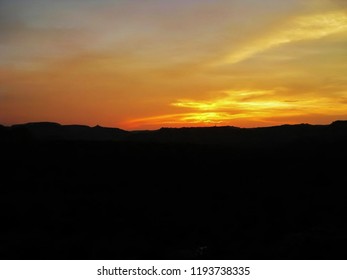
(74, 192)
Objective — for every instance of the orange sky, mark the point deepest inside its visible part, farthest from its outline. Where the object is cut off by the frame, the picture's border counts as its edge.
(152, 63)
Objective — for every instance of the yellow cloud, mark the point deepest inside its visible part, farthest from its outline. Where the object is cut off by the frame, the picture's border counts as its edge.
(250, 102)
(225, 102)
(195, 119)
(252, 105)
(220, 110)
(303, 28)
(229, 111)
(234, 100)
(209, 117)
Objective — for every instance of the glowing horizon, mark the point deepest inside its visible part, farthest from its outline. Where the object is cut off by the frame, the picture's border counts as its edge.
(158, 63)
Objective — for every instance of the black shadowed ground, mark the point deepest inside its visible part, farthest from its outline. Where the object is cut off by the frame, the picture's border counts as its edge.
(75, 192)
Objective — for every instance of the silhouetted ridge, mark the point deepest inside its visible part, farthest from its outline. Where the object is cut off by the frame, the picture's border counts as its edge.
(224, 135)
(173, 193)
(55, 131)
(244, 137)
(3, 131)
(339, 123)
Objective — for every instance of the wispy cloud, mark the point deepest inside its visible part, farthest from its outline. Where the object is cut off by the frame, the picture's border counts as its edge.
(228, 100)
(184, 119)
(302, 28)
(177, 63)
(249, 105)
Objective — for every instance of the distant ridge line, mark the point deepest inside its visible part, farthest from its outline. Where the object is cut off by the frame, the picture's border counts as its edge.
(47, 123)
(216, 135)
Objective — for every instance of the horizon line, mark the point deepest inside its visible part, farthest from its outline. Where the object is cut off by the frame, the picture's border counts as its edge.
(167, 127)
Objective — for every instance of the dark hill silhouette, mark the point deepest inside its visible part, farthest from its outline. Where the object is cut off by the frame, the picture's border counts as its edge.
(236, 137)
(55, 131)
(78, 192)
(2, 130)
(232, 135)
(227, 135)
(340, 124)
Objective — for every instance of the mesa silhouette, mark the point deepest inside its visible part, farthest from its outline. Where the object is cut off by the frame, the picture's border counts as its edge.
(226, 135)
(79, 192)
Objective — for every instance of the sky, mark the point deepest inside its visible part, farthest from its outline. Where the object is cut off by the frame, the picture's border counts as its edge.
(146, 64)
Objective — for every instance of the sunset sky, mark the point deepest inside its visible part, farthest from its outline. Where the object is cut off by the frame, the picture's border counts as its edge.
(144, 64)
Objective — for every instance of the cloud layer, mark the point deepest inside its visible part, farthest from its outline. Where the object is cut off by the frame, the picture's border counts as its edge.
(145, 64)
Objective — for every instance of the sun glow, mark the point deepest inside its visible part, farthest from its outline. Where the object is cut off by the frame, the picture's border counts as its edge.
(229, 105)
(235, 100)
(173, 63)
